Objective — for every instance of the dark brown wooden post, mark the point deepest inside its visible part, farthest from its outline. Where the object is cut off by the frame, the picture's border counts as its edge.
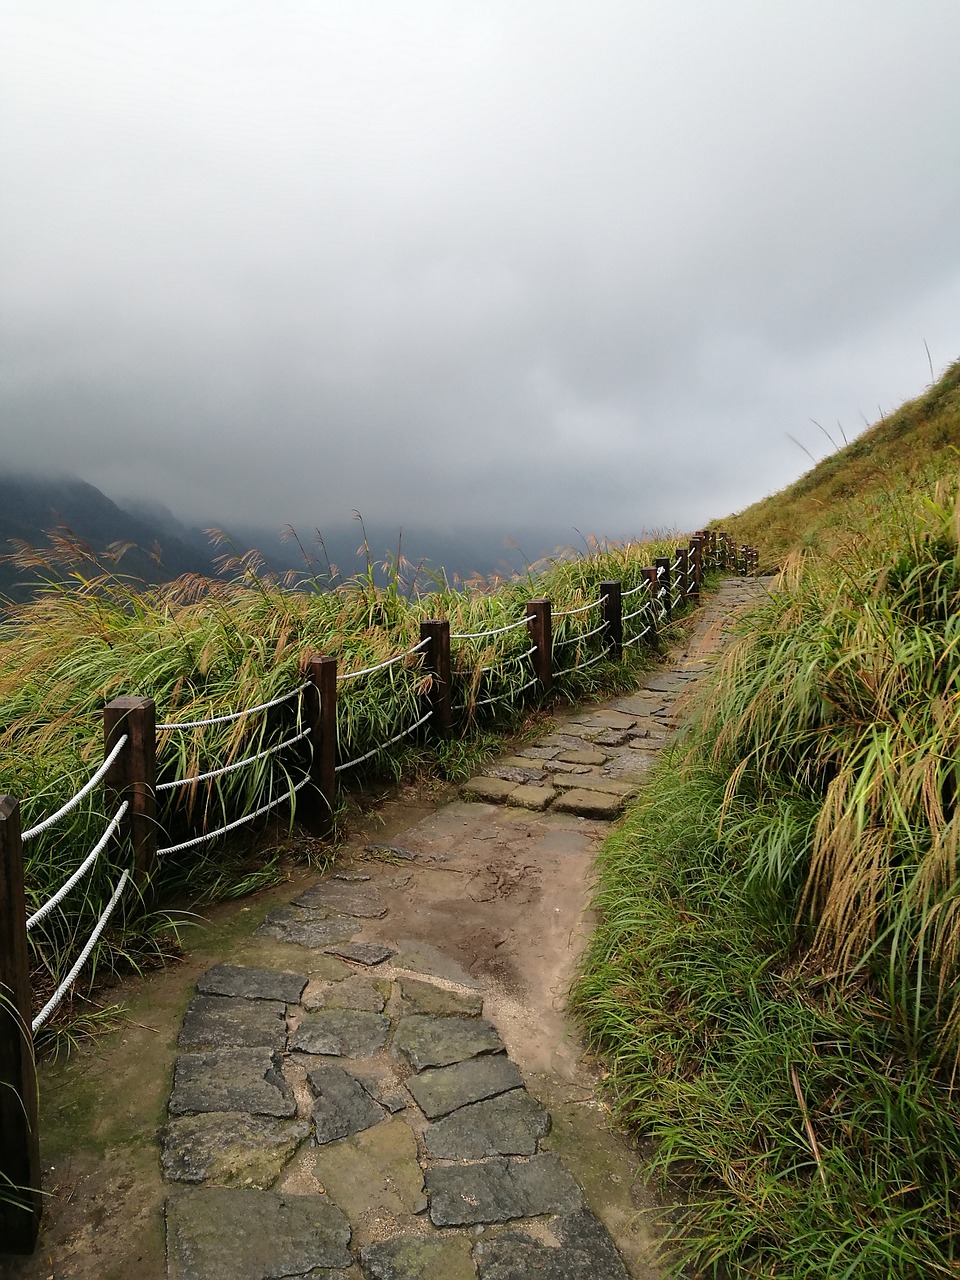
(696, 566)
(133, 777)
(541, 633)
(683, 574)
(436, 660)
(316, 808)
(653, 612)
(611, 608)
(662, 566)
(19, 1121)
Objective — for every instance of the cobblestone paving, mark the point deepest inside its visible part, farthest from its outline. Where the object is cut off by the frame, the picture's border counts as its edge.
(361, 1117)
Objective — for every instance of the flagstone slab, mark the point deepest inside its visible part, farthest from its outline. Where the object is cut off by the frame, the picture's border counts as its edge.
(417, 1257)
(493, 790)
(341, 1032)
(597, 782)
(423, 957)
(611, 738)
(373, 1173)
(343, 1106)
(340, 897)
(440, 1090)
(252, 983)
(229, 1148)
(309, 928)
(500, 1190)
(584, 756)
(531, 797)
(424, 997)
(233, 1022)
(583, 1251)
(590, 804)
(428, 1040)
(516, 773)
(231, 1080)
(509, 1125)
(218, 1233)
(359, 992)
(368, 953)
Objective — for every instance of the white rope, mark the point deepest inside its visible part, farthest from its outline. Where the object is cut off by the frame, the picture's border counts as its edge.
(501, 697)
(512, 657)
(581, 665)
(231, 826)
(635, 639)
(633, 590)
(636, 613)
(87, 787)
(568, 613)
(236, 715)
(383, 745)
(497, 631)
(92, 941)
(380, 666)
(237, 764)
(585, 635)
(80, 872)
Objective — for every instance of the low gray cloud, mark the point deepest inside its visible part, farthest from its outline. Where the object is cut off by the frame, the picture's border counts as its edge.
(480, 264)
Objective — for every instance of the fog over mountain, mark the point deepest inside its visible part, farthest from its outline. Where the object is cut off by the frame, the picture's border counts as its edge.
(482, 268)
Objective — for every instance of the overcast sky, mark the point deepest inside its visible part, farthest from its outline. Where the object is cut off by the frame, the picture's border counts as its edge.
(476, 262)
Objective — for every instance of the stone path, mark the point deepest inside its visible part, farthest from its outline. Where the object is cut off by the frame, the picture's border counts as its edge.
(395, 1093)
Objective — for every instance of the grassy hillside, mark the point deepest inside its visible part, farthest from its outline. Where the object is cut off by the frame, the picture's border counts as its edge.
(775, 981)
(922, 438)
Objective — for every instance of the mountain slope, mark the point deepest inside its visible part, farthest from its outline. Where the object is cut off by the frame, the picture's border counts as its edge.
(921, 438)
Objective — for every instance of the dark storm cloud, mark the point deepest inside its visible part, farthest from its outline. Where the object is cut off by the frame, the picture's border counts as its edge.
(496, 263)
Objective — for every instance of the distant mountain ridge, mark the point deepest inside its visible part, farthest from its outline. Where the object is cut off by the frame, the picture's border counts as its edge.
(31, 506)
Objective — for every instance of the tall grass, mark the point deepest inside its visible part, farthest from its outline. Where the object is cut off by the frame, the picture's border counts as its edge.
(202, 648)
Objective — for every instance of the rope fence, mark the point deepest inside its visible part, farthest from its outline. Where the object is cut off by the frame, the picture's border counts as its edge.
(130, 839)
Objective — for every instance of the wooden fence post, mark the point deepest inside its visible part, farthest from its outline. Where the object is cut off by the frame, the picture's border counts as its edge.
(650, 574)
(320, 800)
(696, 565)
(19, 1121)
(437, 662)
(683, 574)
(133, 777)
(662, 566)
(541, 634)
(611, 609)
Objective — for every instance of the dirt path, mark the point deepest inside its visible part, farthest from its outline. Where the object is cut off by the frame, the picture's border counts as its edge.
(377, 1077)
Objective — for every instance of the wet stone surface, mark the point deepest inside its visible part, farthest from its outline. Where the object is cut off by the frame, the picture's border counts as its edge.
(247, 1080)
(426, 1040)
(341, 1032)
(309, 928)
(510, 1124)
(222, 1022)
(500, 1190)
(252, 983)
(343, 1105)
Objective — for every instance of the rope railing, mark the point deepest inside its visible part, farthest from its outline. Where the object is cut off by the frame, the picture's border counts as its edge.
(350, 764)
(510, 657)
(580, 666)
(637, 638)
(81, 871)
(75, 800)
(237, 764)
(634, 591)
(232, 715)
(232, 826)
(496, 631)
(584, 608)
(54, 1001)
(382, 666)
(499, 697)
(583, 635)
(644, 608)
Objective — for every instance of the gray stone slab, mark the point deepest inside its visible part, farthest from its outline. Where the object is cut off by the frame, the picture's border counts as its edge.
(428, 1040)
(251, 983)
(597, 782)
(493, 790)
(531, 797)
(440, 1090)
(423, 957)
(539, 752)
(308, 928)
(584, 756)
(612, 738)
(338, 897)
(417, 1257)
(233, 1022)
(231, 1080)
(590, 804)
(424, 997)
(343, 1106)
(500, 1190)
(342, 1032)
(229, 1148)
(393, 851)
(358, 991)
(583, 1251)
(218, 1233)
(515, 773)
(368, 953)
(508, 1125)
